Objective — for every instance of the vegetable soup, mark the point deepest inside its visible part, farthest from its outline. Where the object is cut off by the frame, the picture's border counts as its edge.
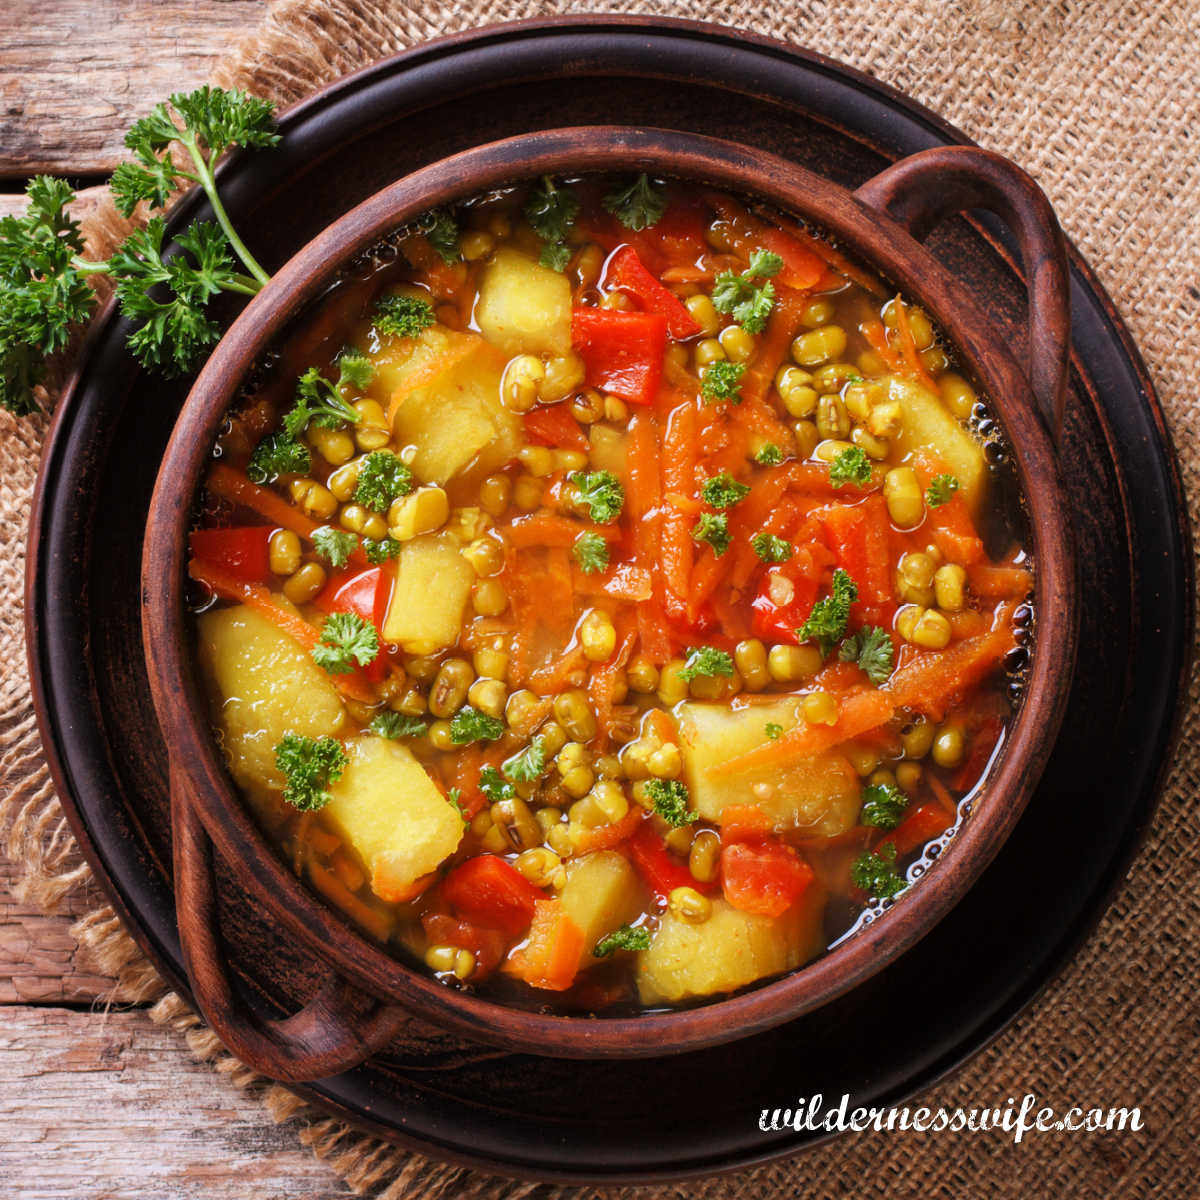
(608, 593)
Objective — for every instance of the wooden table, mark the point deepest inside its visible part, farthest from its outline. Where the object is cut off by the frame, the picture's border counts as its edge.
(93, 1104)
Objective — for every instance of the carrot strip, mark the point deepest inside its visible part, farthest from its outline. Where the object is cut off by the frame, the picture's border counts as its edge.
(553, 951)
(772, 349)
(557, 673)
(707, 575)
(995, 582)
(462, 346)
(257, 597)
(876, 335)
(908, 346)
(606, 837)
(549, 529)
(376, 923)
(603, 682)
(685, 274)
(678, 475)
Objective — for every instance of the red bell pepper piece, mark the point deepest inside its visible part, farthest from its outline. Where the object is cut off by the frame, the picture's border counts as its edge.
(681, 230)
(488, 945)
(787, 592)
(924, 822)
(240, 551)
(659, 871)
(554, 426)
(487, 891)
(366, 594)
(801, 267)
(622, 352)
(766, 878)
(627, 272)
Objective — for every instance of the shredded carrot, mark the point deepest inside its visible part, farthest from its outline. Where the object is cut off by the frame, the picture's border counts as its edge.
(908, 346)
(876, 335)
(707, 575)
(558, 673)
(742, 822)
(259, 598)
(462, 345)
(938, 788)
(602, 685)
(997, 582)
(378, 924)
(685, 274)
(549, 529)
(832, 257)
(679, 475)
(660, 725)
(606, 837)
(773, 346)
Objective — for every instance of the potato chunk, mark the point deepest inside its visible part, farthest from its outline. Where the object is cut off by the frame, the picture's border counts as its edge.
(818, 794)
(444, 400)
(433, 581)
(929, 425)
(266, 686)
(523, 307)
(392, 813)
(602, 893)
(728, 951)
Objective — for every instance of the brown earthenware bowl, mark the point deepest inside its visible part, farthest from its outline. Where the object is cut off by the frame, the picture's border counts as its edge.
(368, 990)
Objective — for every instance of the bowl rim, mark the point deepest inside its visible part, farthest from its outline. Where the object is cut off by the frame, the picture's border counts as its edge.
(868, 235)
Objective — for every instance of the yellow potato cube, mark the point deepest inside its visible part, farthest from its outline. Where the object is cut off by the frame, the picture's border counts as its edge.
(602, 893)
(433, 582)
(523, 307)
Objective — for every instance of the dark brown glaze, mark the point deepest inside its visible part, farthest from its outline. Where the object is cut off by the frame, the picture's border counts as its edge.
(199, 778)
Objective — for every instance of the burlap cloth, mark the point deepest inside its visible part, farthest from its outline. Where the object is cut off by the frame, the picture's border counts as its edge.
(1100, 100)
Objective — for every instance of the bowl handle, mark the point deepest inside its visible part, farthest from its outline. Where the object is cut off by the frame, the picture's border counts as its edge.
(920, 191)
(337, 1029)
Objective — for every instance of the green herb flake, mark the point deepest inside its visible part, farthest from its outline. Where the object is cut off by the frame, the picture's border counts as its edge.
(394, 725)
(773, 730)
(771, 548)
(494, 786)
(670, 800)
(769, 455)
(334, 545)
(883, 806)
(381, 550)
(723, 491)
(706, 660)
(403, 315)
(713, 528)
(722, 382)
(454, 799)
(826, 624)
(639, 205)
(850, 466)
(876, 874)
(749, 303)
(552, 210)
(321, 403)
(309, 766)
(441, 231)
(603, 494)
(470, 725)
(276, 455)
(346, 640)
(625, 938)
(381, 479)
(590, 551)
(529, 764)
(941, 489)
(872, 648)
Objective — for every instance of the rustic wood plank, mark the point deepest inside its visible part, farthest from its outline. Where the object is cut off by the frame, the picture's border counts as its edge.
(75, 74)
(116, 1107)
(40, 960)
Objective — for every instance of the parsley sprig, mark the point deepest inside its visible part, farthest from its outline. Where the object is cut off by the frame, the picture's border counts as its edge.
(723, 491)
(309, 766)
(883, 805)
(625, 938)
(381, 478)
(749, 303)
(44, 289)
(638, 206)
(850, 466)
(722, 381)
(940, 491)
(393, 725)
(334, 545)
(603, 494)
(402, 315)
(826, 624)
(876, 874)
(670, 800)
(552, 210)
(590, 551)
(706, 660)
(771, 548)
(871, 647)
(346, 640)
(470, 725)
(713, 528)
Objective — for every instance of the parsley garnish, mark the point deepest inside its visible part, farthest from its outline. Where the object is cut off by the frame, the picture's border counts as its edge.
(470, 725)
(670, 800)
(441, 231)
(773, 729)
(319, 402)
(722, 380)
(826, 624)
(380, 550)
(334, 545)
(883, 806)
(454, 799)
(769, 455)
(872, 648)
(277, 454)
(876, 874)
(638, 206)
(706, 660)
(381, 478)
(309, 766)
(602, 493)
(940, 489)
(748, 303)
(771, 548)
(403, 315)
(713, 528)
(552, 210)
(850, 466)
(526, 766)
(397, 725)
(590, 551)
(625, 938)
(346, 639)
(723, 491)
(494, 786)
(44, 289)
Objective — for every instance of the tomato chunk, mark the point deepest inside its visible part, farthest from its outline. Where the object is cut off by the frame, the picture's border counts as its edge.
(240, 551)
(487, 891)
(553, 425)
(622, 352)
(766, 878)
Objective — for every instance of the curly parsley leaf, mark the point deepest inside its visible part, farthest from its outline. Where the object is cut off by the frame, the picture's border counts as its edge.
(393, 725)
(441, 231)
(552, 210)
(346, 640)
(334, 545)
(769, 455)
(713, 528)
(773, 729)
(749, 303)
(826, 624)
(876, 874)
(670, 800)
(764, 264)
(380, 550)
(494, 786)
(402, 315)
(941, 489)
(625, 938)
(590, 551)
(555, 255)
(883, 806)
(276, 455)
(722, 381)
(723, 491)
(319, 402)
(603, 494)
(850, 466)
(381, 478)
(470, 725)
(871, 647)
(771, 548)
(528, 765)
(309, 766)
(638, 206)
(706, 660)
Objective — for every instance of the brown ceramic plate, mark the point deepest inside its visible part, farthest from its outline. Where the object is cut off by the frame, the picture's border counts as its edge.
(610, 1121)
